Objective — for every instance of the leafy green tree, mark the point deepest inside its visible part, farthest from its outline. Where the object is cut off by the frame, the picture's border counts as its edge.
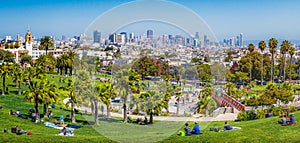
(287, 92)
(144, 66)
(204, 72)
(26, 59)
(46, 43)
(262, 46)
(273, 43)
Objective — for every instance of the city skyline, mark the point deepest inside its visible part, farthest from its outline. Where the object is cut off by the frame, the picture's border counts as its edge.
(56, 18)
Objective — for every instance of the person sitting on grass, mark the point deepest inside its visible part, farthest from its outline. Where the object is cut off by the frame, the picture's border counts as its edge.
(227, 127)
(187, 129)
(283, 121)
(62, 118)
(292, 120)
(145, 120)
(196, 129)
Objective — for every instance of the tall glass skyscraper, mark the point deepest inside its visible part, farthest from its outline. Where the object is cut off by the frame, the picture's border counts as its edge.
(97, 36)
(150, 34)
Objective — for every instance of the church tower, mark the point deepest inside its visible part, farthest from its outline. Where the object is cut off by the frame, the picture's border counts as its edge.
(28, 42)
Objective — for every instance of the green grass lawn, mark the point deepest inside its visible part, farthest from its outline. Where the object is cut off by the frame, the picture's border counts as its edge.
(263, 130)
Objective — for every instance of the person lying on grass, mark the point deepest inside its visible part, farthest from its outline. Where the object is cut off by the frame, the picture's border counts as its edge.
(228, 127)
(66, 131)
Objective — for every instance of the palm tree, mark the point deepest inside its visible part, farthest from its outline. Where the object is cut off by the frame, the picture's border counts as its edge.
(262, 46)
(273, 43)
(71, 55)
(292, 52)
(178, 96)
(35, 91)
(5, 71)
(152, 102)
(106, 92)
(71, 94)
(46, 43)
(205, 98)
(285, 46)
(123, 88)
(251, 47)
(49, 94)
(17, 76)
(28, 74)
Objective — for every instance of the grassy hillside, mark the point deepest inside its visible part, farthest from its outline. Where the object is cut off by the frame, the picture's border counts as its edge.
(263, 130)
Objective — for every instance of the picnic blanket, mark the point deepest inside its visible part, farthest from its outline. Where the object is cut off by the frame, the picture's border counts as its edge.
(51, 125)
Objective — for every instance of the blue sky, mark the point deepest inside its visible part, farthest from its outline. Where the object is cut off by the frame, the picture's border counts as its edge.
(257, 19)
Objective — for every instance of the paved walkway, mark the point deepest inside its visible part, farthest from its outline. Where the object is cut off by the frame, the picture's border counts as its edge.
(221, 117)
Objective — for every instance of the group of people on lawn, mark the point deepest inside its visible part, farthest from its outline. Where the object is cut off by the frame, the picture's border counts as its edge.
(283, 121)
(196, 129)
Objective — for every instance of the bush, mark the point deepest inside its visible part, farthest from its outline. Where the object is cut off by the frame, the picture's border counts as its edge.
(242, 116)
(165, 114)
(292, 108)
(135, 112)
(277, 111)
(114, 110)
(261, 113)
(187, 115)
(250, 115)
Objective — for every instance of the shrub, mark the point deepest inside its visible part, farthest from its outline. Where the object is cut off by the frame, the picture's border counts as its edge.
(135, 112)
(165, 114)
(261, 113)
(250, 115)
(242, 116)
(292, 108)
(114, 110)
(277, 111)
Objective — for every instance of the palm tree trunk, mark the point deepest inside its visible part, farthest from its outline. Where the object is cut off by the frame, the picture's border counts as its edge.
(3, 85)
(284, 66)
(125, 108)
(19, 89)
(291, 68)
(262, 69)
(71, 70)
(272, 69)
(250, 68)
(92, 107)
(73, 113)
(96, 113)
(151, 118)
(125, 113)
(45, 110)
(178, 106)
(107, 110)
(36, 104)
(61, 70)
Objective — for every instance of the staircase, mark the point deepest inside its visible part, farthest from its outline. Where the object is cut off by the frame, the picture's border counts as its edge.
(224, 100)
